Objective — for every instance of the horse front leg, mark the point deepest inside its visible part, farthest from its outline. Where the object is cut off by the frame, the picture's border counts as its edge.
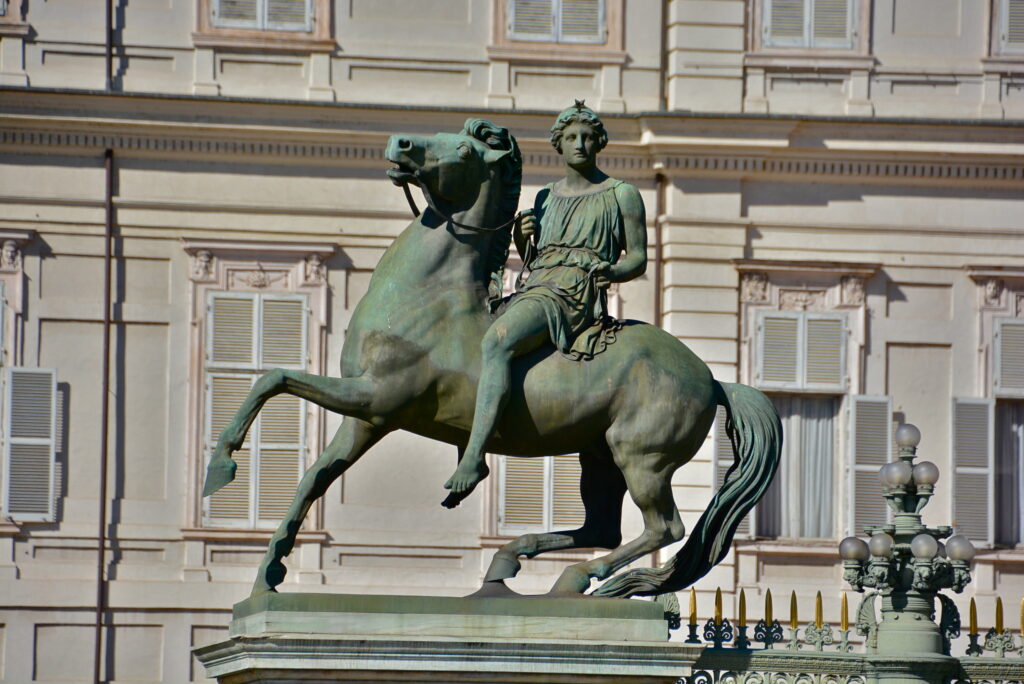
(341, 395)
(352, 440)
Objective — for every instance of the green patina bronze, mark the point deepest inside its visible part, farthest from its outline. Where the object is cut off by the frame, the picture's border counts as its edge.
(433, 349)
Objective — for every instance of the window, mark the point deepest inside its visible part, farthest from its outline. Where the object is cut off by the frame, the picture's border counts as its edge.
(274, 15)
(973, 477)
(29, 441)
(1008, 369)
(825, 24)
(290, 25)
(247, 335)
(801, 351)
(1011, 26)
(557, 21)
(539, 494)
(1009, 465)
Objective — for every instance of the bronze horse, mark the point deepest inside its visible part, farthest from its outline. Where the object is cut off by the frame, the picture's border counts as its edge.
(411, 361)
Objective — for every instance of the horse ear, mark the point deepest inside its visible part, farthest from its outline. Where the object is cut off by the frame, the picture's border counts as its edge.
(493, 156)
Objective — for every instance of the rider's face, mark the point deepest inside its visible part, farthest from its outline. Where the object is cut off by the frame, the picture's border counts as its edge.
(579, 144)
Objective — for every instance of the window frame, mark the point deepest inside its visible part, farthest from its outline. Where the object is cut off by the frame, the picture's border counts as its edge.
(317, 39)
(1000, 46)
(765, 54)
(548, 502)
(556, 34)
(611, 51)
(801, 386)
(998, 323)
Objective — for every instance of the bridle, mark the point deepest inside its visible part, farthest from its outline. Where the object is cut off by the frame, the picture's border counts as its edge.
(449, 219)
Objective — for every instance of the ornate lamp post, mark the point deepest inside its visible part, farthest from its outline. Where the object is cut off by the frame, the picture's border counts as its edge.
(907, 564)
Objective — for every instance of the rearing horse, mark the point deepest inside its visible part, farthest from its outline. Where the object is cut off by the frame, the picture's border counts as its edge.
(411, 360)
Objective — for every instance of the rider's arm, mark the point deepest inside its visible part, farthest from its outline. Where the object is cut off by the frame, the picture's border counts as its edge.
(634, 222)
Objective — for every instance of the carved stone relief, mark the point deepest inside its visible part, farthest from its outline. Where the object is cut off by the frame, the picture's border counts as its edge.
(853, 290)
(993, 291)
(802, 300)
(259, 278)
(202, 265)
(10, 256)
(754, 287)
(315, 269)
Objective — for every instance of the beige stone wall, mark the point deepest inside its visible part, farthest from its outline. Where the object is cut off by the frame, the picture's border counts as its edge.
(245, 146)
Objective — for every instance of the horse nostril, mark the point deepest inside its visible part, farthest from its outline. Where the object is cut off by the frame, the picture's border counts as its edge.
(404, 144)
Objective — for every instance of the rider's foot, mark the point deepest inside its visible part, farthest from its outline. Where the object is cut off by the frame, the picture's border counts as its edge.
(467, 475)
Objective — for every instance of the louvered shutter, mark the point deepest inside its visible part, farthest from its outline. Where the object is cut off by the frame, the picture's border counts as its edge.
(29, 444)
(1011, 36)
(581, 21)
(230, 506)
(722, 459)
(1009, 356)
(973, 480)
(282, 332)
(831, 24)
(236, 13)
(785, 23)
(778, 351)
(824, 344)
(523, 493)
(566, 505)
(531, 20)
(281, 451)
(289, 15)
(870, 424)
(3, 324)
(232, 323)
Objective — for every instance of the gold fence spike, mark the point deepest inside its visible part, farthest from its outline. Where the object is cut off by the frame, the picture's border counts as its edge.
(973, 629)
(768, 609)
(844, 620)
(693, 606)
(794, 621)
(718, 606)
(818, 622)
(741, 621)
(999, 615)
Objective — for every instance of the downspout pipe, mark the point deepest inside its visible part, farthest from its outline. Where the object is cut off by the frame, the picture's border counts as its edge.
(101, 532)
(661, 188)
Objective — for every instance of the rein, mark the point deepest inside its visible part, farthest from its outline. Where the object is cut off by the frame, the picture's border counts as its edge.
(449, 219)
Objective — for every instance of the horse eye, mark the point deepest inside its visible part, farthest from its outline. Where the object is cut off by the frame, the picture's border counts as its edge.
(464, 151)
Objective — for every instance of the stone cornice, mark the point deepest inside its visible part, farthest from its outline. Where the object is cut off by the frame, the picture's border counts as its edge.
(829, 267)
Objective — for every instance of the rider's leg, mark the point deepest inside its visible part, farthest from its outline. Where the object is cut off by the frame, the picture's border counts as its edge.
(522, 328)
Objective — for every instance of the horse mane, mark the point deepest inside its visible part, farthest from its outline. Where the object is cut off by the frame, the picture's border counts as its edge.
(510, 169)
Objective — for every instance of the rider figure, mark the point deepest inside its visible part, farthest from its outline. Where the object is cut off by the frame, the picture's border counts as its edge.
(586, 220)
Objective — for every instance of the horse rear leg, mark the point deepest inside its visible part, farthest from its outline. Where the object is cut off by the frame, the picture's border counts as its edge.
(352, 440)
(601, 488)
(341, 395)
(649, 480)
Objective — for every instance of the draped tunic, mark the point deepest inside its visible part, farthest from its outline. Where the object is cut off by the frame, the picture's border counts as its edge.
(577, 233)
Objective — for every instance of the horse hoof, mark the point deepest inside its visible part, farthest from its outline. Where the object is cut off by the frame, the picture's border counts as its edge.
(219, 473)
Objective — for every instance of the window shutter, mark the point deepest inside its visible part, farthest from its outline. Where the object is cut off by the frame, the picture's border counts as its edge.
(870, 449)
(283, 332)
(224, 395)
(531, 20)
(722, 459)
(523, 492)
(280, 457)
(3, 324)
(566, 505)
(830, 25)
(29, 444)
(582, 21)
(289, 15)
(778, 350)
(232, 326)
(825, 358)
(236, 13)
(1012, 34)
(974, 469)
(785, 23)
(1009, 356)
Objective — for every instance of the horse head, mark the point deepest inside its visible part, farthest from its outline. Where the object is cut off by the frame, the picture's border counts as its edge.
(452, 170)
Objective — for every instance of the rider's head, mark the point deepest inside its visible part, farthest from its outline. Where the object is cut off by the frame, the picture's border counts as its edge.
(578, 113)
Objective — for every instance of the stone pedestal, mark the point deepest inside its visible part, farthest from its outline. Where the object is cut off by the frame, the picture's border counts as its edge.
(278, 638)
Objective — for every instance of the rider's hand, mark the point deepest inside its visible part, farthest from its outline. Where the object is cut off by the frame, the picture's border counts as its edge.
(527, 224)
(602, 275)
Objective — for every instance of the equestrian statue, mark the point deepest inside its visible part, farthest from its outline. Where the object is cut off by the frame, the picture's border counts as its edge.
(434, 348)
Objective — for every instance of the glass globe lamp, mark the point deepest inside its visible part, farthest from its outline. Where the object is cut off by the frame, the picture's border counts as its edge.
(896, 474)
(880, 545)
(908, 435)
(926, 473)
(960, 548)
(924, 546)
(853, 549)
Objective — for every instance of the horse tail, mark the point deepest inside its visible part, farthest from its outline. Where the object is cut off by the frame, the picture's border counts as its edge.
(755, 432)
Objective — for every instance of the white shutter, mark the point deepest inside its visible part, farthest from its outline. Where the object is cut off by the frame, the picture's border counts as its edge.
(566, 506)
(973, 480)
(785, 23)
(1011, 33)
(831, 24)
(231, 323)
(29, 444)
(523, 493)
(231, 505)
(824, 352)
(721, 460)
(531, 20)
(283, 332)
(236, 13)
(289, 15)
(581, 21)
(1009, 356)
(778, 351)
(870, 425)
(3, 324)
(280, 457)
